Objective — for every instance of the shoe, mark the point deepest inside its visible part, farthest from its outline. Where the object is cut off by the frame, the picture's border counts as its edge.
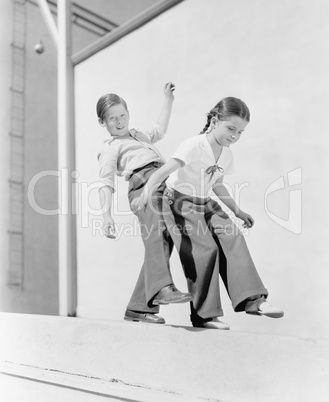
(213, 324)
(262, 307)
(143, 317)
(170, 294)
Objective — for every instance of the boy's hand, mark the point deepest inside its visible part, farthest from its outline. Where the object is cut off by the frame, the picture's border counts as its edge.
(169, 89)
(139, 203)
(247, 219)
(109, 228)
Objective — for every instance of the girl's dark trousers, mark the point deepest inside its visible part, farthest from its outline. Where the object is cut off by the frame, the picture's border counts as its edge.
(205, 254)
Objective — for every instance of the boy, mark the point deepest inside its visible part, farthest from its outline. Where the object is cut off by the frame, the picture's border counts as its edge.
(131, 153)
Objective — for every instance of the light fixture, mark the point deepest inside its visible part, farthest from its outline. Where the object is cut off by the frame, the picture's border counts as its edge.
(39, 47)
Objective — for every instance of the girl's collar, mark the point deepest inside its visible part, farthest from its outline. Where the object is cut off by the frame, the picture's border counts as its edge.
(210, 151)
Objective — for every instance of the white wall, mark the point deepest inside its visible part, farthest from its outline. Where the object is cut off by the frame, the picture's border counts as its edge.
(273, 55)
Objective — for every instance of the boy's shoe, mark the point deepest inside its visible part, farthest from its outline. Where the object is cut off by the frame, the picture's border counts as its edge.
(138, 316)
(262, 307)
(170, 294)
(213, 324)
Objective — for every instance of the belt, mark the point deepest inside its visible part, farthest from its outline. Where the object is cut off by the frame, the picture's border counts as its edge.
(151, 164)
(175, 195)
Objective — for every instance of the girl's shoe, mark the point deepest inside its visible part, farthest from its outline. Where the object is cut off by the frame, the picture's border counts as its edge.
(262, 307)
(213, 324)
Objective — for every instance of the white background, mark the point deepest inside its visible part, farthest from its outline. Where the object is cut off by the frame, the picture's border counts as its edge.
(274, 56)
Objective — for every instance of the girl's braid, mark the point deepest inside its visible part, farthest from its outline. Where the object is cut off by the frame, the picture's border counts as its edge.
(213, 112)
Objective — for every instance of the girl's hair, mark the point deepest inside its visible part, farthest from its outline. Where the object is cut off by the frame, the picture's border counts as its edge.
(225, 108)
(106, 101)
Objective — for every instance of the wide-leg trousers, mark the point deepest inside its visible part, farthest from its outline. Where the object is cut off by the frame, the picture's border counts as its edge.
(204, 254)
(155, 272)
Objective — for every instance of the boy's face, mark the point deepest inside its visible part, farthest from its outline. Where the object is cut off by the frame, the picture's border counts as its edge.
(116, 121)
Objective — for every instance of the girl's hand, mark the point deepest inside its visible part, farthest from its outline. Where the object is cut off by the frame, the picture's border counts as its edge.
(247, 219)
(139, 203)
(109, 228)
(169, 89)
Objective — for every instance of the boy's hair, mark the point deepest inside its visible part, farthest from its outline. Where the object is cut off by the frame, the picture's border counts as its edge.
(106, 101)
(227, 107)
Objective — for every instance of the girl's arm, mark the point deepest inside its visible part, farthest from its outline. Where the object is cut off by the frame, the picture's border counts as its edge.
(220, 190)
(105, 195)
(163, 119)
(153, 183)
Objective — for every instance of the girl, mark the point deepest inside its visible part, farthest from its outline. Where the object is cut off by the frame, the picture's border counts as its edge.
(203, 234)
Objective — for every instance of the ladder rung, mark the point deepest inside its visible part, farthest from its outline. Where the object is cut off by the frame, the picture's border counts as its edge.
(18, 91)
(13, 181)
(11, 134)
(15, 232)
(16, 46)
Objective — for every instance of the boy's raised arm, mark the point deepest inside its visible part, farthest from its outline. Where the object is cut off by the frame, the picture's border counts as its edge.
(163, 119)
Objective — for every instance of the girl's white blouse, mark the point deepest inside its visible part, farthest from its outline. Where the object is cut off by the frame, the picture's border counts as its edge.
(200, 170)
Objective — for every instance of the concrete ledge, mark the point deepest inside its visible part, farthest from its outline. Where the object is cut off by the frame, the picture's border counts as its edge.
(130, 361)
(31, 384)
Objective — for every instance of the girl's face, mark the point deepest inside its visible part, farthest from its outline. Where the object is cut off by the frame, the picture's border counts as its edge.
(227, 132)
(116, 121)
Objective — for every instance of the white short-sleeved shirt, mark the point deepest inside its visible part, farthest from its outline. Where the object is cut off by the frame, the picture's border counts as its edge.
(120, 156)
(200, 170)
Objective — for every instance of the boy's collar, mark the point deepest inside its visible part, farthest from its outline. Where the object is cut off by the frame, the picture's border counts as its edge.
(108, 140)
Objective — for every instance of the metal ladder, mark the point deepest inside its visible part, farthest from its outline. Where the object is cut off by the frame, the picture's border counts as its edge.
(15, 272)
